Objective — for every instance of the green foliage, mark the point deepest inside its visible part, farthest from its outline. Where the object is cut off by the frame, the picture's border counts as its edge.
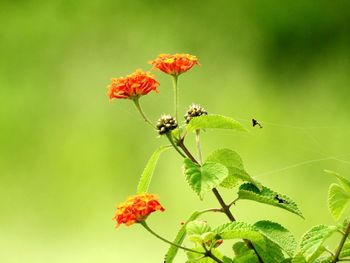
(267, 196)
(213, 121)
(234, 164)
(199, 232)
(314, 239)
(338, 200)
(243, 254)
(278, 234)
(338, 196)
(172, 251)
(299, 258)
(204, 178)
(268, 251)
(147, 173)
(239, 230)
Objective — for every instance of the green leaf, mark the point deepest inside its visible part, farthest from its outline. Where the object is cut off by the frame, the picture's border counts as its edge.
(214, 121)
(267, 196)
(234, 164)
(314, 238)
(243, 254)
(345, 252)
(268, 251)
(299, 258)
(338, 200)
(278, 234)
(345, 183)
(204, 178)
(147, 173)
(241, 230)
(172, 251)
(197, 227)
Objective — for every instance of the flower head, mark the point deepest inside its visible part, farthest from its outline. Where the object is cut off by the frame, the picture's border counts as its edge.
(194, 110)
(132, 86)
(165, 124)
(174, 64)
(136, 209)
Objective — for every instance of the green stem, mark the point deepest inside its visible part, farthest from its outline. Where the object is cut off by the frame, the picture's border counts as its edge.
(199, 149)
(176, 100)
(225, 208)
(138, 107)
(144, 224)
(170, 138)
(341, 244)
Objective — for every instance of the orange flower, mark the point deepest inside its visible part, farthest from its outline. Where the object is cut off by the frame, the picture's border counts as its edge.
(136, 209)
(174, 64)
(132, 86)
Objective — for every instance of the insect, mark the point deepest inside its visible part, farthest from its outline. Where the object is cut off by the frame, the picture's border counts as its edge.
(256, 123)
(280, 200)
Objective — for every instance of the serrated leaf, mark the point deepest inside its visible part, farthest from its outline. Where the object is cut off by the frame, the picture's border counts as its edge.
(338, 200)
(172, 251)
(234, 230)
(345, 183)
(203, 179)
(249, 191)
(278, 234)
(314, 238)
(268, 251)
(214, 121)
(147, 173)
(234, 164)
(345, 252)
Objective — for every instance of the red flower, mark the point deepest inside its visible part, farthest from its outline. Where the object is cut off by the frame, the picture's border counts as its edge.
(132, 86)
(174, 64)
(136, 209)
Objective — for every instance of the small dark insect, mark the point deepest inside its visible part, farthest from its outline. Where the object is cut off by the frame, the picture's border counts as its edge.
(280, 200)
(255, 123)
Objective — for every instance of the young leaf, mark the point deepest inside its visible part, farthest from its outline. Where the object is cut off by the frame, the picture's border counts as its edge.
(172, 251)
(204, 178)
(197, 227)
(234, 164)
(278, 234)
(345, 183)
(267, 196)
(147, 173)
(214, 121)
(314, 238)
(338, 199)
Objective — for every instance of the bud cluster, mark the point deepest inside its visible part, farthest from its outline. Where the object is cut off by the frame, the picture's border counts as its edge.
(194, 110)
(165, 124)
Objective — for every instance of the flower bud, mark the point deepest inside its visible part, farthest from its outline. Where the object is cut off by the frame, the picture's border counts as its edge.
(165, 124)
(194, 110)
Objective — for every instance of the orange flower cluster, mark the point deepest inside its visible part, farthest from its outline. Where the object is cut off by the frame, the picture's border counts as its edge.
(136, 209)
(132, 86)
(174, 64)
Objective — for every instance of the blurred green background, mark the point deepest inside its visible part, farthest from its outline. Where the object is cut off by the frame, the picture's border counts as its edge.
(67, 155)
